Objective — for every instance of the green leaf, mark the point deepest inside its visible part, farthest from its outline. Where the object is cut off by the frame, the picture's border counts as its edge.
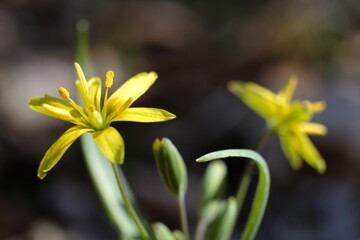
(104, 180)
(262, 190)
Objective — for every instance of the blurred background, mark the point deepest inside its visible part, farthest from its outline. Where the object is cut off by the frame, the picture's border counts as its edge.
(196, 47)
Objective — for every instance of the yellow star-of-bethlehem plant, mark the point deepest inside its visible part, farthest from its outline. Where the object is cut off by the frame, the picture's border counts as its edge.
(290, 120)
(95, 116)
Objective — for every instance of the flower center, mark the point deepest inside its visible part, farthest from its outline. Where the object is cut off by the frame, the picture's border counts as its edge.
(89, 113)
(94, 117)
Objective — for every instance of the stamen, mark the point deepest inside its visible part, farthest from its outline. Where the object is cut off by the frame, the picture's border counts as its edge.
(95, 117)
(91, 110)
(64, 93)
(109, 79)
(108, 83)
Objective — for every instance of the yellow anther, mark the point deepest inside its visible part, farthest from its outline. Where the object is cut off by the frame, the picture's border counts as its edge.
(64, 93)
(109, 79)
(91, 110)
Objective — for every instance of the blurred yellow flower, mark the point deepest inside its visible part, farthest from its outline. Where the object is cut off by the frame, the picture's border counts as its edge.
(94, 117)
(290, 120)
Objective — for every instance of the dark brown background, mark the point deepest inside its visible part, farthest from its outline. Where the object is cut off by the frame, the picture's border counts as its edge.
(196, 47)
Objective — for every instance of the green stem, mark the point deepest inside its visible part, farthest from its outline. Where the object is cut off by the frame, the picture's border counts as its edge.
(183, 216)
(244, 185)
(201, 229)
(128, 205)
(263, 139)
(248, 171)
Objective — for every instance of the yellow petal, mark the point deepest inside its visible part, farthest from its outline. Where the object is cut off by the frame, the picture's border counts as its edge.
(57, 150)
(131, 89)
(287, 146)
(287, 92)
(56, 108)
(111, 144)
(315, 107)
(94, 93)
(140, 114)
(81, 77)
(313, 128)
(82, 85)
(259, 99)
(121, 107)
(309, 153)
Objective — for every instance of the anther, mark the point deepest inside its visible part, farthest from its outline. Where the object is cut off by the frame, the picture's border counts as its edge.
(109, 79)
(64, 93)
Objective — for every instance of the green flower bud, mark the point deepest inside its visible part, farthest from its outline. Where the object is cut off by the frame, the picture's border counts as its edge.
(213, 183)
(171, 166)
(223, 225)
(178, 235)
(162, 232)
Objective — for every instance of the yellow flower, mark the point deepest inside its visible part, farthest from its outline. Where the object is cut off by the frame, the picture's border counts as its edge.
(95, 117)
(290, 120)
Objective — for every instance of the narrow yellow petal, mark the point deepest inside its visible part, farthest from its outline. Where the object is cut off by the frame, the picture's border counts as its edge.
(309, 153)
(237, 87)
(81, 77)
(287, 92)
(56, 108)
(111, 115)
(140, 114)
(288, 147)
(58, 113)
(313, 128)
(94, 93)
(111, 144)
(133, 88)
(82, 85)
(57, 150)
(259, 99)
(315, 107)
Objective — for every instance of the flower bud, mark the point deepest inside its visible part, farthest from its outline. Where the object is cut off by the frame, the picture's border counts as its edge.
(162, 232)
(213, 182)
(178, 235)
(171, 166)
(223, 225)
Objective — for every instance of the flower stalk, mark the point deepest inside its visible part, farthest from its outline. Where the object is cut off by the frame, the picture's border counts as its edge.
(128, 205)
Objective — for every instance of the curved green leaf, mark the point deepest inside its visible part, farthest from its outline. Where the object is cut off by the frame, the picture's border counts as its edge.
(262, 190)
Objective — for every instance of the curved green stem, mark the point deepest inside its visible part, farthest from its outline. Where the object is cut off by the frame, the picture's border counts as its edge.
(262, 190)
(134, 216)
(244, 186)
(183, 216)
(248, 171)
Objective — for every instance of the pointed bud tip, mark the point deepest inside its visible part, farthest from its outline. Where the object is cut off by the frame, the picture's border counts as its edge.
(321, 168)
(82, 25)
(41, 175)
